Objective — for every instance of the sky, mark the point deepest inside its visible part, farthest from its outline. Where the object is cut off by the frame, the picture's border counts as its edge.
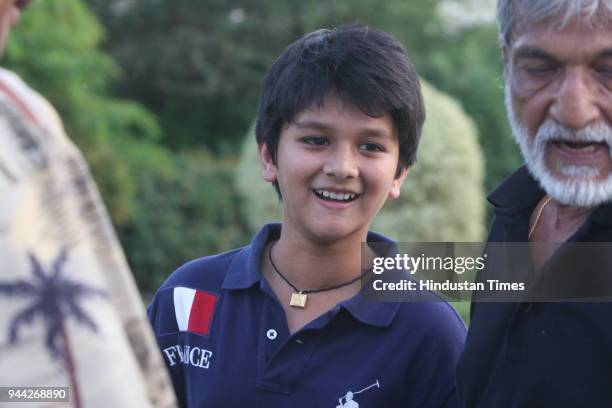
(466, 12)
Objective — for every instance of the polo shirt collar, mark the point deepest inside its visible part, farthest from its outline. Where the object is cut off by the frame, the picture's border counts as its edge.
(520, 192)
(245, 271)
(377, 314)
(603, 214)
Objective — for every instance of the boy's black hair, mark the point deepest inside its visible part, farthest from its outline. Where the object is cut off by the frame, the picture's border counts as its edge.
(362, 66)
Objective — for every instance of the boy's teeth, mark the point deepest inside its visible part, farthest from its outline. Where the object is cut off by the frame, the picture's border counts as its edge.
(336, 196)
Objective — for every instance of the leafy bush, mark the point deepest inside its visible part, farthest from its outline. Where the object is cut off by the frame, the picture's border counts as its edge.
(56, 49)
(168, 208)
(184, 210)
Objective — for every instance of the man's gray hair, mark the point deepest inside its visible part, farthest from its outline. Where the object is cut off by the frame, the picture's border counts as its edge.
(512, 13)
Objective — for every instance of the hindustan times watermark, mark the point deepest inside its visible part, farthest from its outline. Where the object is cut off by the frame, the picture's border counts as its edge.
(487, 272)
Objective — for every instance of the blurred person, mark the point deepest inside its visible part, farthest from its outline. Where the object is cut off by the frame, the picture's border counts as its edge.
(558, 87)
(282, 322)
(71, 313)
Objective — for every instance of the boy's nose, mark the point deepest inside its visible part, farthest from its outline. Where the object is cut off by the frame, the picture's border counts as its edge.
(575, 104)
(341, 163)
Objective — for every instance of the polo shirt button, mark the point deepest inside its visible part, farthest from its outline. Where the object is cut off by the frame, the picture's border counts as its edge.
(271, 334)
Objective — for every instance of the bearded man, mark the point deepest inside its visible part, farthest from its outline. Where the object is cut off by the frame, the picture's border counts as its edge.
(558, 86)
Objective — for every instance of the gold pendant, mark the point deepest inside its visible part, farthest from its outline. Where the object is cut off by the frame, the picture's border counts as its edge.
(298, 300)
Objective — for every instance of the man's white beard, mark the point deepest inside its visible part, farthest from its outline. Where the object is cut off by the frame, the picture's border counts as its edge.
(581, 187)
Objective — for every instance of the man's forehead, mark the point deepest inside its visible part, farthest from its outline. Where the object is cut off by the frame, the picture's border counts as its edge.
(573, 40)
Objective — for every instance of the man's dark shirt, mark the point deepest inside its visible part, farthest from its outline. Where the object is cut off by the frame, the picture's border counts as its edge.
(556, 354)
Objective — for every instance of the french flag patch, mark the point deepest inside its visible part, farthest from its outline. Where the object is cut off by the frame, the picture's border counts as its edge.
(194, 310)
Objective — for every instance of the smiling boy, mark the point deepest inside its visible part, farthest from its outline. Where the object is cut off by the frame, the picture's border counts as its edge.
(281, 322)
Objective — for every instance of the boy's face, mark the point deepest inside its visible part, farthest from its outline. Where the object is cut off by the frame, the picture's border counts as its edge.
(335, 168)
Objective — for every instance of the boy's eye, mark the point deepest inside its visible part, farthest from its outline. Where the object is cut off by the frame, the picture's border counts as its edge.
(371, 147)
(315, 140)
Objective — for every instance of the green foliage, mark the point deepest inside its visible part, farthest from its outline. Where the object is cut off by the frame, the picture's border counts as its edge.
(199, 64)
(416, 24)
(463, 308)
(194, 67)
(259, 201)
(186, 209)
(168, 208)
(469, 67)
(55, 48)
(441, 200)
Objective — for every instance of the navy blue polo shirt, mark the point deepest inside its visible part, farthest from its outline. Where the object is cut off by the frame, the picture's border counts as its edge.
(538, 354)
(225, 340)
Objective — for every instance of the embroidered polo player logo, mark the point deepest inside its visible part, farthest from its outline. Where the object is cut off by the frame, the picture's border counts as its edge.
(349, 402)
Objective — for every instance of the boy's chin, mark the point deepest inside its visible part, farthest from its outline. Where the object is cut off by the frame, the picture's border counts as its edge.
(330, 232)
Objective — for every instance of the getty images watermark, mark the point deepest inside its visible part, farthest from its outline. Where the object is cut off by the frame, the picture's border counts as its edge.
(492, 272)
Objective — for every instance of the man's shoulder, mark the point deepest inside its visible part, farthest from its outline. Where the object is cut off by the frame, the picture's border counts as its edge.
(14, 81)
(31, 105)
(13, 87)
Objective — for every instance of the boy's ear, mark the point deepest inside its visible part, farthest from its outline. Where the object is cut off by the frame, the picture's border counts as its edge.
(268, 168)
(396, 186)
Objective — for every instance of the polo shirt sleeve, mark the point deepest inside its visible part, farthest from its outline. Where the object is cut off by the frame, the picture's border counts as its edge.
(440, 336)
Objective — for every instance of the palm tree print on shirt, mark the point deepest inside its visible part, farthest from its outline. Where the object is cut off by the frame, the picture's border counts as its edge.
(55, 298)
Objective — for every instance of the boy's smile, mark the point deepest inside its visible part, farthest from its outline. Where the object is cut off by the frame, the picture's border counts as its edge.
(335, 168)
(336, 195)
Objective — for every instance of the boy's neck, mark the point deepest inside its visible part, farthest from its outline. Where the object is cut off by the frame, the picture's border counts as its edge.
(315, 265)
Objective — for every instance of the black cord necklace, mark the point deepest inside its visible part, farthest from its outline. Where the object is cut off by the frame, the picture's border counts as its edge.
(300, 297)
